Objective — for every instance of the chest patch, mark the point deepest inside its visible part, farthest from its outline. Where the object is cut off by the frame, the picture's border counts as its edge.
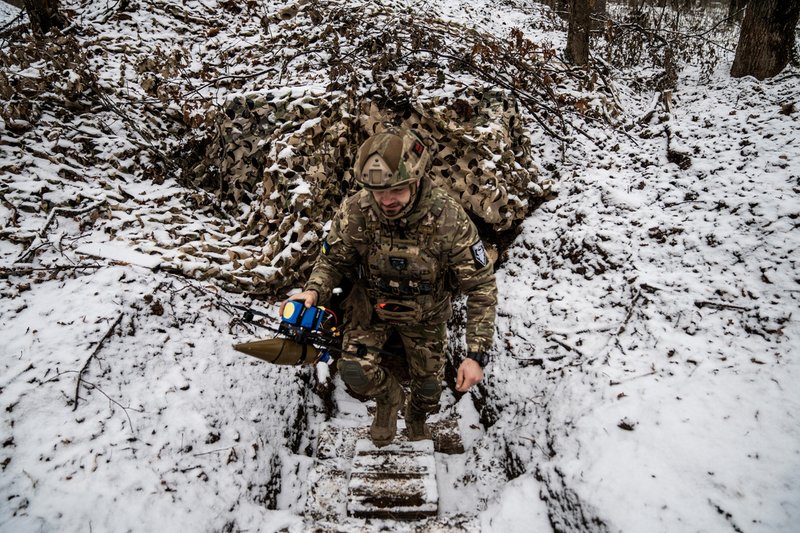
(479, 254)
(398, 263)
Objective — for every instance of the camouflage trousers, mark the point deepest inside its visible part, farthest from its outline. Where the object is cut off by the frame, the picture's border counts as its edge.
(424, 346)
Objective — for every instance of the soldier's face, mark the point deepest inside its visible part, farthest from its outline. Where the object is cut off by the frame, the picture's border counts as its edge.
(393, 201)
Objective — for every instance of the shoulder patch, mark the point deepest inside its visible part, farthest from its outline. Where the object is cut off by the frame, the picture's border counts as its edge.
(479, 254)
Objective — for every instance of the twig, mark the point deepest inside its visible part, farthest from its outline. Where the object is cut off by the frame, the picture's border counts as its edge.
(595, 329)
(61, 373)
(614, 382)
(212, 451)
(12, 25)
(212, 82)
(7, 272)
(89, 360)
(39, 240)
(624, 324)
(629, 313)
(110, 399)
(714, 305)
(568, 346)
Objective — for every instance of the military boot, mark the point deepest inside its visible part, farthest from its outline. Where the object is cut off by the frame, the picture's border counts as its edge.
(416, 428)
(390, 401)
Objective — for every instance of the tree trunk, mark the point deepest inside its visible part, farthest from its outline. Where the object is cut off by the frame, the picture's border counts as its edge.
(580, 22)
(767, 38)
(44, 15)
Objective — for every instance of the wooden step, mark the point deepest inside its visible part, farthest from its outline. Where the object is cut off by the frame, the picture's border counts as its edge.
(329, 497)
(395, 482)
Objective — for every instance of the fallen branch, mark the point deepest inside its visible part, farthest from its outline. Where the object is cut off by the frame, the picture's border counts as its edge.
(8, 272)
(212, 451)
(89, 360)
(212, 82)
(12, 26)
(40, 237)
(590, 329)
(714, 305)
(530, 101)
(653, 107)
(614, 382)
(567, 345)
(628, 315)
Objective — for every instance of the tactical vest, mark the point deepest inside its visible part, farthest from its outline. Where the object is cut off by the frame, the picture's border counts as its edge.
(404, 268)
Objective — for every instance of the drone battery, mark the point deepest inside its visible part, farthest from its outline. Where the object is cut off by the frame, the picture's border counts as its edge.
(297, 314)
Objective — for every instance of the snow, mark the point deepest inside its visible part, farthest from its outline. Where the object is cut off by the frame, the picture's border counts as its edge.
(8, 13)
(645, 359)
(118, 253)
(701, 379)
(517, 509)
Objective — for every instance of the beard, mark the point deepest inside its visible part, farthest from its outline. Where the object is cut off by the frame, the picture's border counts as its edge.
(392, 210)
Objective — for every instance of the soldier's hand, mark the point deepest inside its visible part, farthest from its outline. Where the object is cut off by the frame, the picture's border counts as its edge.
(309, 299)
(469, 373)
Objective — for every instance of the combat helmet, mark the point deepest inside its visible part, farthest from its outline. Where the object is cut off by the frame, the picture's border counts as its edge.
(392, 158)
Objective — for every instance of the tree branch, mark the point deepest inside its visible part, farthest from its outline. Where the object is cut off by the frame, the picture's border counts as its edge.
(8, 272)
(40, 237)
(89, 360)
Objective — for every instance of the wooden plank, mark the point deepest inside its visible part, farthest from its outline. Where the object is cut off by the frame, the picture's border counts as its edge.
(394, 482)
(368, 482)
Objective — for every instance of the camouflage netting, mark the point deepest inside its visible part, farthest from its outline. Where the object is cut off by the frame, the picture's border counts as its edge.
(287, 155)
(262, 145)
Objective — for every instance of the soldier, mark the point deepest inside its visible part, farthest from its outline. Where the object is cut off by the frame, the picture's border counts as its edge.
(404, 241)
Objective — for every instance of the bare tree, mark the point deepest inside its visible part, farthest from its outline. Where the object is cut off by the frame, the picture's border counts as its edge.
(767, 38)
(580, 24)
(44, 15)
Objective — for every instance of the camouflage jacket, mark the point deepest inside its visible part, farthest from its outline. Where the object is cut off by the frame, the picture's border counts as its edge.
(411, 264)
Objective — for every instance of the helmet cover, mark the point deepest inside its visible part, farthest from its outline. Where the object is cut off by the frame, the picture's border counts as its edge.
(391, 159)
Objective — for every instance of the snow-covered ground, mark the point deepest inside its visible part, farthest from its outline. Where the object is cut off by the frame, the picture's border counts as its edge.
(652, 312)
(643, 366)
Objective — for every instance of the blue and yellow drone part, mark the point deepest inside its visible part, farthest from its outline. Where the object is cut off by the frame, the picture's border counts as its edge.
(297, 314)
(306, 335)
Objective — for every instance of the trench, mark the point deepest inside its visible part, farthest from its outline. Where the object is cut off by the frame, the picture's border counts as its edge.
(318, 403)
(566, 512)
